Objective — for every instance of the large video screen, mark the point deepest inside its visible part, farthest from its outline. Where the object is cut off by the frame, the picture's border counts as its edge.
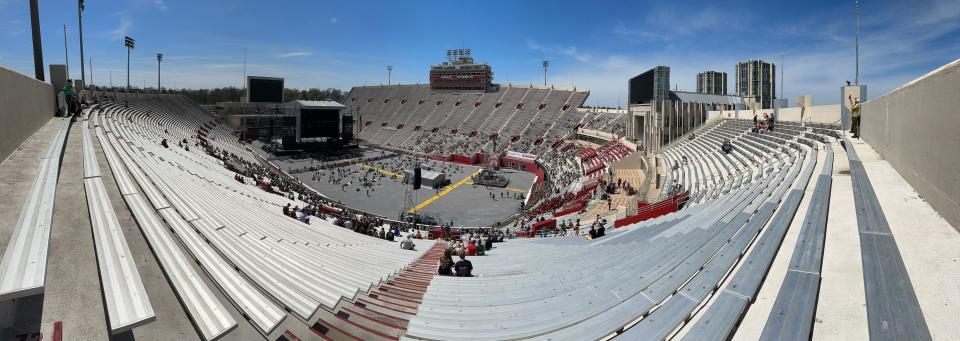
(266, 90)
(319, 123)
(641, 88)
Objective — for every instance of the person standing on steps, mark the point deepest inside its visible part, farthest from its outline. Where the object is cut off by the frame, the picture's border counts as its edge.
(854, 116)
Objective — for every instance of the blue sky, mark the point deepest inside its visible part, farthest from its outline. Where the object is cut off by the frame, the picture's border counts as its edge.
(591, 44)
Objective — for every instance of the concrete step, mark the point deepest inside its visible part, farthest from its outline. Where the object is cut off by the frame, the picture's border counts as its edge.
(357, 327)
(385, 312)
(289, 336)
(394, 311)
(396, 298)
(383, 319)
(404, 290)
(327, 331)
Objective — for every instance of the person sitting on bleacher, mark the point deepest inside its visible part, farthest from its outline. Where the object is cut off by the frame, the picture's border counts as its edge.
(445, 266)
(407, 244)
(463, 266)
(471, 248)
(727, 147)
(593, 232)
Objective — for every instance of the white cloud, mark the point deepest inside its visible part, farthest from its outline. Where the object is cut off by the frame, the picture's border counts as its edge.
(334, 20)
(160, 5)
(295, 54)
(569, 51)
(661, 23)
(15, 27)
(122, 28)
(898, 43)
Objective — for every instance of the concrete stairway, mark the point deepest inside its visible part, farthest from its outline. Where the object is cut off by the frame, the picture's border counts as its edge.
(383, 313)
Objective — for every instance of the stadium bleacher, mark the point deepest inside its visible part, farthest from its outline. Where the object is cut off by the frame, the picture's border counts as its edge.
(694, 274)
(465, 121)
(24, 265)
(194, 194)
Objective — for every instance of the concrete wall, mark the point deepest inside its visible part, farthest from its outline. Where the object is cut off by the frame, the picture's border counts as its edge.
(917, 129)
(26, 104)
(817, 114)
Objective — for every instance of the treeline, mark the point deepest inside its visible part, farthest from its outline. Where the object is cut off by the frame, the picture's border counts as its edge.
(234, 94)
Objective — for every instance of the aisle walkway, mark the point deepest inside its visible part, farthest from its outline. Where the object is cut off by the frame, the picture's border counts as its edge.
(384, 312)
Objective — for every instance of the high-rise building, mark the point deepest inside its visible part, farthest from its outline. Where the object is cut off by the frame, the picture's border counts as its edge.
(712, 83)
(757, 82)
(649, 86)
(657, 115)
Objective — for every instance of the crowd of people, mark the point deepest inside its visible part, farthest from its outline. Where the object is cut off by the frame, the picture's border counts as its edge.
(613, 123)
(469, 244)
(367, 177)
(767, 124)
(445, 143)
(562, 168)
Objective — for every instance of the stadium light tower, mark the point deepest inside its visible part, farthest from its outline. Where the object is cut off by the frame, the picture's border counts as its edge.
(66, 55)
(159, 59)
(546, 64)
(856, 79)
(129, 43)
(37, 44)
(83, 71)
(389, 74)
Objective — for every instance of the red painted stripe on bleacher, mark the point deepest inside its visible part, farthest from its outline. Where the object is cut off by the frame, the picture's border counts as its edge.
(390, 308)
(369, 330)
(364, 308)
(401, 290)
(397, 297)
(418, 288)
(330, 326)
(57, 331)
(290, 335)
(393, 325)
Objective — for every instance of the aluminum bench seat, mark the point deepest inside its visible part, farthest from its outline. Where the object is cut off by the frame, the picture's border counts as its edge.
(125, 298)
(24, 265)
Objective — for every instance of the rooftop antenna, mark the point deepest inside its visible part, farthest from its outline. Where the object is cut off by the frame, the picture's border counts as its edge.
(856, 80)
